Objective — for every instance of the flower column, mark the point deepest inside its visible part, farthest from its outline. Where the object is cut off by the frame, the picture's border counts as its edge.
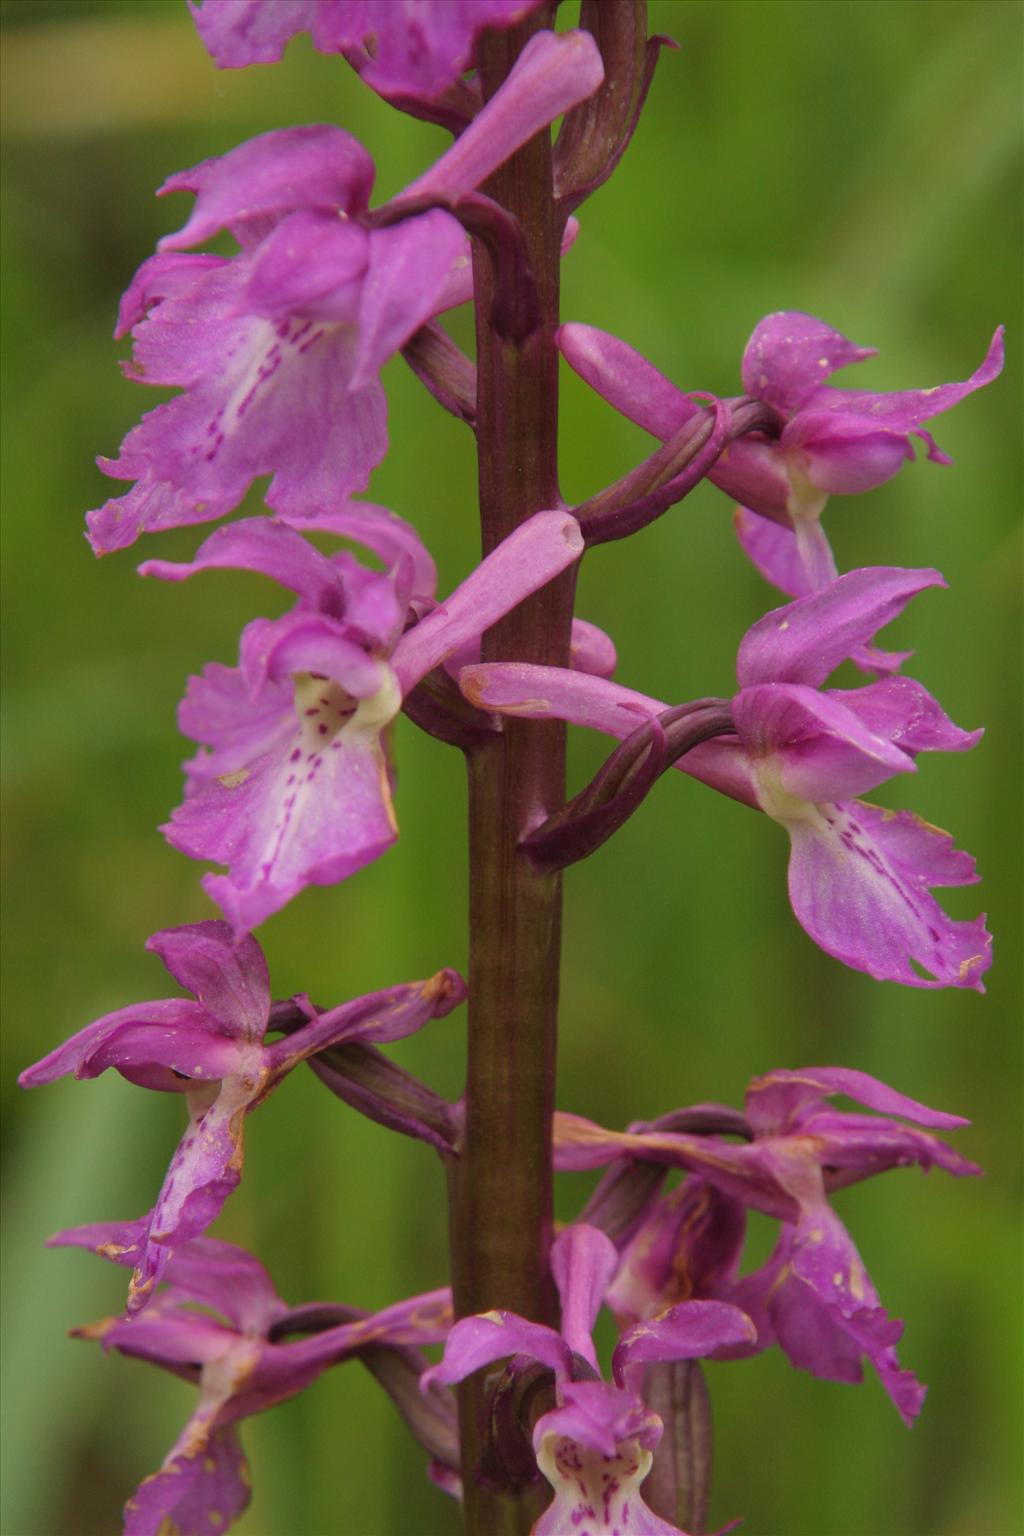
(501, 1208)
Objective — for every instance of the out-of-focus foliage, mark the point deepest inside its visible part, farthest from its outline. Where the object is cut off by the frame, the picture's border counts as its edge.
(859, 161)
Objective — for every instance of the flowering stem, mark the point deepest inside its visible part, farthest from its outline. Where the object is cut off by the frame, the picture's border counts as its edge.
(501, 1195)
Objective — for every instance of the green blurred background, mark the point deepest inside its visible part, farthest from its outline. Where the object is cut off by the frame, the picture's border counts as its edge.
(857, 160)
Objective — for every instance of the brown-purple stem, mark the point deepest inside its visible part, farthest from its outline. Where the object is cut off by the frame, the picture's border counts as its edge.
(501, 1185)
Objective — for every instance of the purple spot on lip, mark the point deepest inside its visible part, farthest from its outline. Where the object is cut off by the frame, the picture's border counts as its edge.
(295, 755)
(322, 729)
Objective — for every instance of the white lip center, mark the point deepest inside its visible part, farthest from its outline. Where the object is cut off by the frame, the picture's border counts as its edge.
(594, 1493)
(776, 801)
(323, 707)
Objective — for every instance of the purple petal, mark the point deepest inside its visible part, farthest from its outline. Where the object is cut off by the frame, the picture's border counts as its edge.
(203, 1172)
(772, 549)
(591, 650)
(458, 285)
(225, 1277)
(218, 708)
(753, 470)
(376, 604)
(517, 688)
(689, 1331)
(905, 713)
(262, 397)
(775, 1101)
(119, 1241)
(312, 264)
(241, 32)
(421, 51)
(167, 1034)
(811, 747)
(844, 455)
(292, 821)
(311, 643)
(583, 1261)
(316, 166)
(156, 1059)
(828, 1314)
(388, 535)
(782, 561)
(399, 49)
(230, 980)
(580, 1144)
(908, 408)
(855, 1147)
(806, 640)
(264, 545)
(599, 1416)
(478, 1341)
(169, 276)
(859, 881)
(373, 1020)
(748, 1174)
(202, 1493)
(791, 354)
(409, 266)
(418, 1320)
(553, 73)
(689, 1245)
(168, 1336)
(813, 547)
(538, 550)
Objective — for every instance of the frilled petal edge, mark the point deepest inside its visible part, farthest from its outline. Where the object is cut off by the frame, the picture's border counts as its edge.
(859, 881)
